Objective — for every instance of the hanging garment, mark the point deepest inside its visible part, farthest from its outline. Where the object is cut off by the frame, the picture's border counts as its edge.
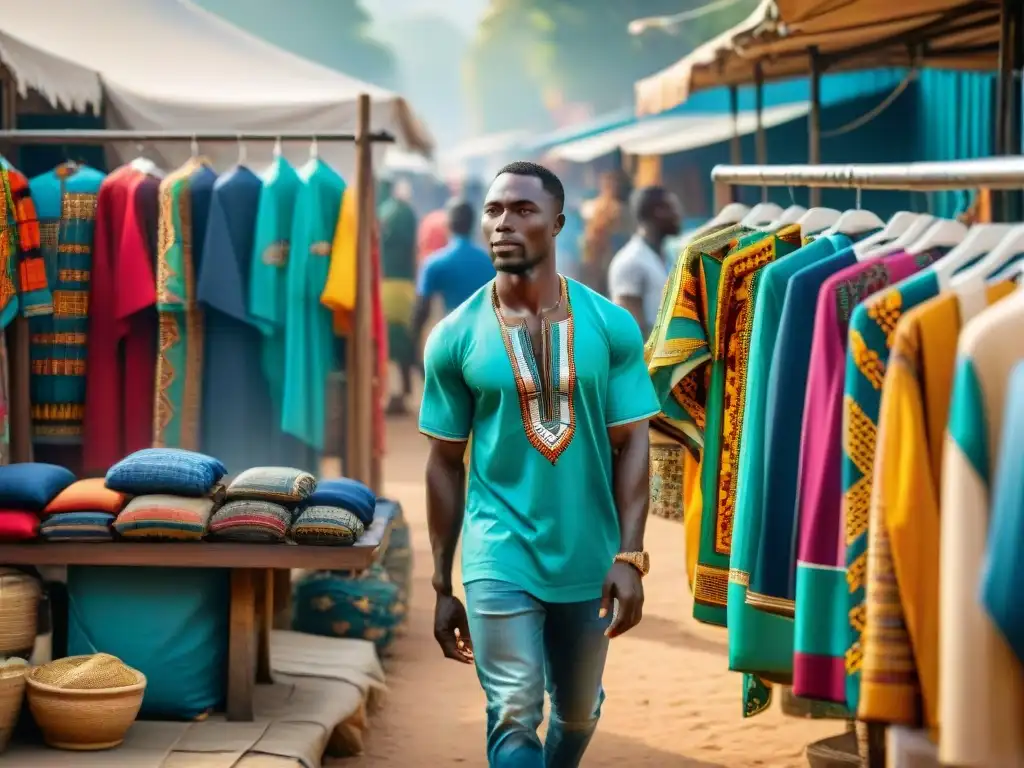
(121, 360)
(310, 352)
(237, 416)
(775, 567)
(900, 644)
(22, 284)
(180, 361)
(712, 384)
(65, 200)
(872, 326)
(820, 637)
(397, 224)
(1001, 579)
(981, 692)
(761, 642)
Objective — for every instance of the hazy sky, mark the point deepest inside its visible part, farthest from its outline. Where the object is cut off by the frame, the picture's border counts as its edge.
(466, 13)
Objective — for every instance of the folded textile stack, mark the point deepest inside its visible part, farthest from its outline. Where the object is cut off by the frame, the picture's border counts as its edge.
(259, 504)
(335, 514)
(25, 491)
(175, 493)
(84, 511)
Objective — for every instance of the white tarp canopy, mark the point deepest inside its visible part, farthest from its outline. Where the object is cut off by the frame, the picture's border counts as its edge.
(169, 65)
(673, 133)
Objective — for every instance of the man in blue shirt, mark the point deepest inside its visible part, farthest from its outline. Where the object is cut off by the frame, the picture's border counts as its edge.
(548, 377)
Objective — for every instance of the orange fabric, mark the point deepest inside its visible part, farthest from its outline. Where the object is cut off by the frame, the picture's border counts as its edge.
(87, 496)
(432, 235)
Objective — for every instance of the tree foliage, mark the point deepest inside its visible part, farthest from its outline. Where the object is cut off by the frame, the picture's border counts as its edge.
(528, 53)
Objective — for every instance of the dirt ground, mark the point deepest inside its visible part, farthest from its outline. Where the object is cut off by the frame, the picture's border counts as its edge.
(671, 700)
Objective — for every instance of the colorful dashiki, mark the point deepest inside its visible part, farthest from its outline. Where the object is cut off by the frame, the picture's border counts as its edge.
(981, 699)
(310, 352)
(65, 200)
(701, 347)
(820, 637)
(900, 667)
(121, 360)
(761, 642)
(22, 283)
(180, 359)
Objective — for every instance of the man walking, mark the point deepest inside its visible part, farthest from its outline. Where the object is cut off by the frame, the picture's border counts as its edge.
(549, 379)
(637, 274)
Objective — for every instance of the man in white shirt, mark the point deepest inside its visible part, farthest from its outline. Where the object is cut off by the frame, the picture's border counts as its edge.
(637, 274)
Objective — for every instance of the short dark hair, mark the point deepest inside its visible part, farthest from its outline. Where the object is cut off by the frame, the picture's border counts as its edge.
(645, 201)
(551, 183)
(460, 217)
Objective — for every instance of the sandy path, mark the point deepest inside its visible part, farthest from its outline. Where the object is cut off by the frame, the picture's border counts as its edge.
(671, 700)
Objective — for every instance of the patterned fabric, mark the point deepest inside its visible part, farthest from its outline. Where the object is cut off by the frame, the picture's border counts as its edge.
(397, 560)
(347, 494)
(165, 471)
(22, 269)
(30, 486)
(162, 516)
(820, 632)
(281, 484)
(87, 495)
(65, 200)
(871, 333)
(251, 520)
(78, 526)
(701, 345)
(339, 604)
(18, 525)
(900, 668)
(180, 358)
(327, 525)
(981, 699)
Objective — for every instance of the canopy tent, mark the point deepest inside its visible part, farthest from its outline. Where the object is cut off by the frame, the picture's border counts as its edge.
(169, 65)
(481, 155)
(855, 34)
(673, 133)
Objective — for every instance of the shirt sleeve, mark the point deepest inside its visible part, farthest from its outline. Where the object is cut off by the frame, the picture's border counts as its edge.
(630, 395)
(447, 408)
(426, 281)
(133, 266)
(626, 277)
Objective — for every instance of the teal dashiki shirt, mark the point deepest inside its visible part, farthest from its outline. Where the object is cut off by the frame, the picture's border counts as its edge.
(310, 346)
(540, 507)
(871, 332)
(762, 642)
(65, 201)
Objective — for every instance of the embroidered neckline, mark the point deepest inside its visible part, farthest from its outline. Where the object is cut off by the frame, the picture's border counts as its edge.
(548, 415)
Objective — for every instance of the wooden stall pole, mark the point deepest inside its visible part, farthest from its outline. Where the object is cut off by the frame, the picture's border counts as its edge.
(814, 121)
(20, 401)
(361, 374)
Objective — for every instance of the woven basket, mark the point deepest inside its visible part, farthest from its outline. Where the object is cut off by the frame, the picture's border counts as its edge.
(85, 702)
(666, 475)
(19, 611)
(12, 691)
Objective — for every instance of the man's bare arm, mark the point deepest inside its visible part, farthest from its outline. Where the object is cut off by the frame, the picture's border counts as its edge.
(631, 481)
(446, 501)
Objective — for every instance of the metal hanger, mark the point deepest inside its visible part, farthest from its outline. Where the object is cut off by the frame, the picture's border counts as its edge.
(242, 154)
(314, 149)
(144, 165)
(278, 151)
(194, 147)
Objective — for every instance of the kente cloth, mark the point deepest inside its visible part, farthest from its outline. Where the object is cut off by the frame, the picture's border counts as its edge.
(981, 697)
(237, 412)
(869, 340)
(775, 566)
(432, 235)
(121, 357)
(65, 200)
(1001, 581)
(310, 354)
(761, 642)
(176, 413)
(900, 663)
(820, 632)
(705, 341)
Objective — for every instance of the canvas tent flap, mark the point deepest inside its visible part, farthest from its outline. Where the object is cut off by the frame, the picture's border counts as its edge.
(167, 64)
(853, 35)
(64, 84)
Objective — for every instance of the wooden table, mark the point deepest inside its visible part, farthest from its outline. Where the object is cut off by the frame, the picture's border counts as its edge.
(252, 585)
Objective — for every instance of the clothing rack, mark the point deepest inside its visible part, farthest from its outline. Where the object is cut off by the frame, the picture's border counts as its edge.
(1005, 173)
(361, 462)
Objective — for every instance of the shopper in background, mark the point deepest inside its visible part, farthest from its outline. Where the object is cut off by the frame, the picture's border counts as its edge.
(608, 228)
(638, 273)
(433, 230)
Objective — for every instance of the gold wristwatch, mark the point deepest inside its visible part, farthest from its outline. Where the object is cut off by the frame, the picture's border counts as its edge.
(639, 560)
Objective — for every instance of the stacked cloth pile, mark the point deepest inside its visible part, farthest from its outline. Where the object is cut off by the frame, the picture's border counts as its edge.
(174, 494)
(337, 512)
(26, 490)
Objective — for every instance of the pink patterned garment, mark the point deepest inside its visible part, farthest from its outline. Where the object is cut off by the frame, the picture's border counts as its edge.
(821, 590)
